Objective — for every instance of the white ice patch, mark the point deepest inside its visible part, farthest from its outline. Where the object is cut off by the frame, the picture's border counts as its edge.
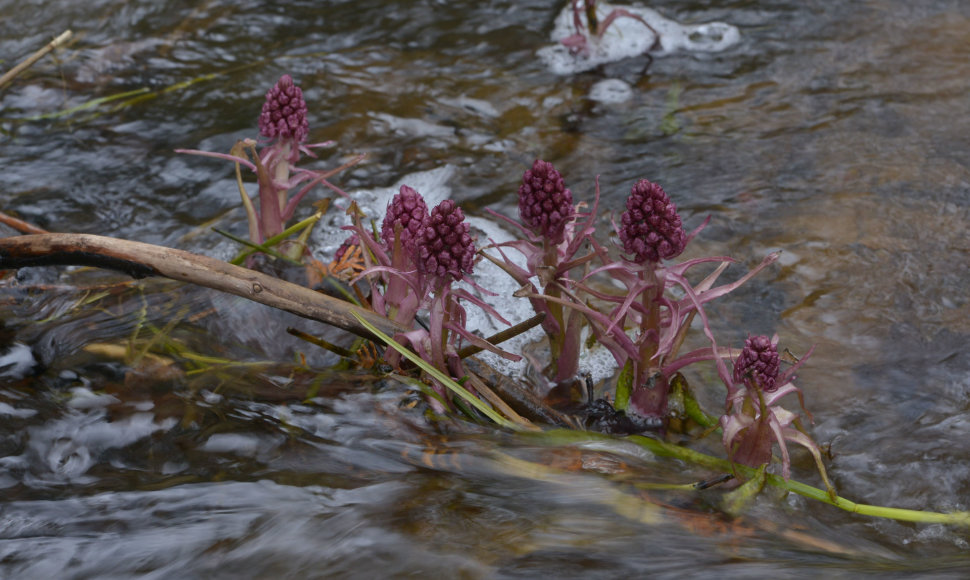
(433, 186)
(598, 361)
(611, 92)
(628, 37)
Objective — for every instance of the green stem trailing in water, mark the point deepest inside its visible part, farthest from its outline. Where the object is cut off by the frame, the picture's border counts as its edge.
(662, 449)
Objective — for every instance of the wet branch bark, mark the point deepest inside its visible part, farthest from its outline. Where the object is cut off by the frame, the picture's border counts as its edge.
(139, 260)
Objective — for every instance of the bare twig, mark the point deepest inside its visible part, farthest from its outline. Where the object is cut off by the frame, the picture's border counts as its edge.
(504, 335)
(20, 225)
(140, 260)
(27, 62)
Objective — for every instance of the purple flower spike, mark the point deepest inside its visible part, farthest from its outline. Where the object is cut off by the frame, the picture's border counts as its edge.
(446, 249)
(545, 205)
(758, 364)
(408, 209)
(284, 112)
(650, 228)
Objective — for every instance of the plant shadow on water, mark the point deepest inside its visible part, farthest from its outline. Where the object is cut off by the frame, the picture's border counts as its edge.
(836, 137)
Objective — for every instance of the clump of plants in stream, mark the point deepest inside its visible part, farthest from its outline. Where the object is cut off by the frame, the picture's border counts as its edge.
(592, 28)
(282, 184)
(754, 419)
(645, 325)
(413, 267)
(628, 295)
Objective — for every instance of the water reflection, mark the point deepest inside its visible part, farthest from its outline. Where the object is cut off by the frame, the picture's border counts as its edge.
(838, 136)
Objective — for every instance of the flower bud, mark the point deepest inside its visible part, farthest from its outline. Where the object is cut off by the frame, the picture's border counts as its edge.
(650, 228)
(446, 249)
(284, 112)
(409, 210)
(545, 205)
(758, 363)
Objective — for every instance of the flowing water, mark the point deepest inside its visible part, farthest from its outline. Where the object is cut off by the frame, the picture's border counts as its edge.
(836, 132)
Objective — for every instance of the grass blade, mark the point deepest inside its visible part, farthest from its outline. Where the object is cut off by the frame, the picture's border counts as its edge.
(442, 378)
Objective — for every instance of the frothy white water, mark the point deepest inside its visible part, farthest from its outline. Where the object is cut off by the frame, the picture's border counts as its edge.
(628, 37)
(17, 361)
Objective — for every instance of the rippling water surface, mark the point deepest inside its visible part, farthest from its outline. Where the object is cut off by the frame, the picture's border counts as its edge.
(835, 132)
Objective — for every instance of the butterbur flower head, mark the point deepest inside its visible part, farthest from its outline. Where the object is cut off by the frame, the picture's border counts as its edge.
(446, 249)
(545, 205)
(650, 228)
(409, 210)
(284, 112)
(758, 364)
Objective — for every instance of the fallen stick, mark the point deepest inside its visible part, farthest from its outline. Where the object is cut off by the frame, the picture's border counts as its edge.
(20, 225)
(39, 54)
(139, 260)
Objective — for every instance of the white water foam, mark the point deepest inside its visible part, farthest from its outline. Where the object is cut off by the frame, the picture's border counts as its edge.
(17, 361)
(627, 37)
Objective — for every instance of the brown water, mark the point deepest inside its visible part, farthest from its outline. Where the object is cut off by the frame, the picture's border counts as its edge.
(836, 132)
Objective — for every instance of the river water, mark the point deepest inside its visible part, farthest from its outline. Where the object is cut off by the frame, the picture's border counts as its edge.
(836, 132)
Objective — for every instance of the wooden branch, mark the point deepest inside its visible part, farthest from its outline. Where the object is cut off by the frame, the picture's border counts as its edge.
(139, 260)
